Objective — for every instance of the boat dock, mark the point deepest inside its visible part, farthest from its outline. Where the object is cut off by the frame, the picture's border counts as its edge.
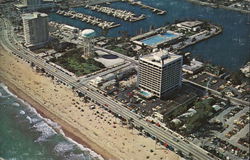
(154, 10)
(95, 2)
(118, 13)
(89, 19)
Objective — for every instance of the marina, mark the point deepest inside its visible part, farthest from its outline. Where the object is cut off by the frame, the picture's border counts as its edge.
(154, 10)
(118, 13)
(89, 19)
(204, 50)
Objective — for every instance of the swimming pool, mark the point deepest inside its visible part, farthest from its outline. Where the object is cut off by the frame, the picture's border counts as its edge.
(159, 38)
(145, 93)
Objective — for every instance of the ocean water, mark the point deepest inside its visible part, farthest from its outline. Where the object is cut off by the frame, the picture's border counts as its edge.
(231, 49)
(25, 135)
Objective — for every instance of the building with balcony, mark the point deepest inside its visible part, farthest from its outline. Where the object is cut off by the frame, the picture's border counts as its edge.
(35, 27)
(160, 72)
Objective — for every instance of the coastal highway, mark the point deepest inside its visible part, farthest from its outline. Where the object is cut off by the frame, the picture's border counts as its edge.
(165, 135)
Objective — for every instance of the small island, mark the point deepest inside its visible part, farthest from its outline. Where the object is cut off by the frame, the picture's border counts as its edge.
(237, 5)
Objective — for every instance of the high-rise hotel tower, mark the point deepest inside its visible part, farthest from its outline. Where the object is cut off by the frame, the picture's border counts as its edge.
(160, 72)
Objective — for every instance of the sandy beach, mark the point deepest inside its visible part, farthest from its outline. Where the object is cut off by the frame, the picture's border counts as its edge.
(94, 128)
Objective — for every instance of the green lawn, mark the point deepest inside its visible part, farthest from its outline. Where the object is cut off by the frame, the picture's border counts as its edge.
(73, 62)
(121, 50)
(117, 49)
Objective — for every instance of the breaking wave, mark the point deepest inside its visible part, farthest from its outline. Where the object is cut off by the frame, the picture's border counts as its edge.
(16, 104)
(63, 147)
(22, 112)
(45, 129)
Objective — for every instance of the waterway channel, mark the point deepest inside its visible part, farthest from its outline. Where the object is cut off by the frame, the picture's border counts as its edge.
(231, 49)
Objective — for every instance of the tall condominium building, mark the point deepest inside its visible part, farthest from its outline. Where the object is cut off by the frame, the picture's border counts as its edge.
(35, 27)
(34, 5)
(31, 2)
(160, 72)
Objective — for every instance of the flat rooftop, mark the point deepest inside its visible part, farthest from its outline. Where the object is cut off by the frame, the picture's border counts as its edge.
(191, 23)
(194, 65)
(160, 58)
(33, 15)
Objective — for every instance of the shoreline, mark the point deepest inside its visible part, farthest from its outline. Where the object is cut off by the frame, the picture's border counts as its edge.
(220, 30)
(68, 130)
(217, 6)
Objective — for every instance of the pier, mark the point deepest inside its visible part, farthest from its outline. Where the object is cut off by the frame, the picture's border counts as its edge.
(88, 19)
(118, 13)
(154, 10)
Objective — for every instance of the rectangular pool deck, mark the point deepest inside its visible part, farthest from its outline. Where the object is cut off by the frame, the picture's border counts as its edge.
(160, 38)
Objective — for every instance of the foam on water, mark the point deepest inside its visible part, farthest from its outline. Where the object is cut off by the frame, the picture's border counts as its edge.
(7, 90)
(45, 129)
(63, 147)
(77, 156)
(55, 125)
(34, 120)
(92, 153)
(52, 124)
(81, 147)
(16, 104)
(28, 117)
(22, 112)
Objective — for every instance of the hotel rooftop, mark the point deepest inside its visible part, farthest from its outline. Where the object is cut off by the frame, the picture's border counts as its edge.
(160, 58)
(190, 23)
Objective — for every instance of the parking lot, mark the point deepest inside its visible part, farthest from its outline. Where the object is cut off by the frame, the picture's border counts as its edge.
(206, 79)
(224, 142)
(235, 130)
(147, 107)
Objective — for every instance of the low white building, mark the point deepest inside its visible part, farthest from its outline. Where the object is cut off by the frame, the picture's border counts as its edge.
(194, 67)
(96, 82)
(190, 25)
